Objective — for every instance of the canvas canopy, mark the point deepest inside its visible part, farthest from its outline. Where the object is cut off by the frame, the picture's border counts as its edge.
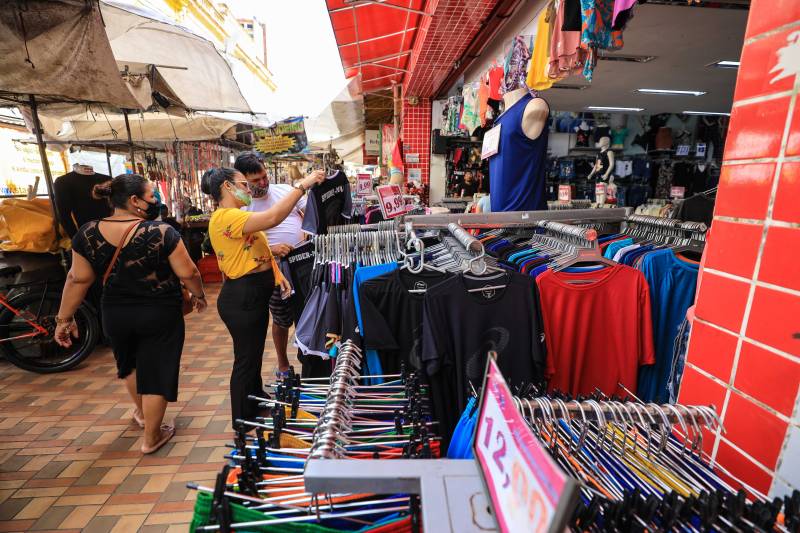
(69, 50)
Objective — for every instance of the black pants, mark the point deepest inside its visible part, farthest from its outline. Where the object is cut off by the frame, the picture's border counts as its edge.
(243, 305)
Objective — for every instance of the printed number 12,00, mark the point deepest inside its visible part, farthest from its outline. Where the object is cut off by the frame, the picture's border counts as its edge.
(498, 454)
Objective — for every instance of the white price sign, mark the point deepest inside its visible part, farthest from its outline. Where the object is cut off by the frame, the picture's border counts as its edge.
(363, 184)
(491, 142)
(391, 201)
(700, 150)
(528, 490)
(683, 149)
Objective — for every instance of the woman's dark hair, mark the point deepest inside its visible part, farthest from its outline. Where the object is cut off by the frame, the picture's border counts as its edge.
(248, 163)
(121, 188)
(212, 180)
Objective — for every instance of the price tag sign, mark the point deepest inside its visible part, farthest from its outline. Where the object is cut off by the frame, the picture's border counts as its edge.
(491, 142)
(683, 149)
(564, 193)
(528, 490)
(391, 201)
(677, 193)
(700, 150)
(363, 184)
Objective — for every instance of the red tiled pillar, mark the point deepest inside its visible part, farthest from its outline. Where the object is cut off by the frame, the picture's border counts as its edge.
(416, 136)
(744, 351)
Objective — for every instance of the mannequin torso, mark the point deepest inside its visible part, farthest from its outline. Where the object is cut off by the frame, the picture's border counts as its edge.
(534, 118)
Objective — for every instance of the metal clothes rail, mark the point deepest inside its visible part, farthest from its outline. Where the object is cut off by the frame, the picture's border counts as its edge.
(513, 219)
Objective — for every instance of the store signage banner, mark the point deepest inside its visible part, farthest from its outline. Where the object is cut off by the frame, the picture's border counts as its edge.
(20, 164)
(391, 201)
(528, 490)
(372, 142)
(284, 137)
(363, 184)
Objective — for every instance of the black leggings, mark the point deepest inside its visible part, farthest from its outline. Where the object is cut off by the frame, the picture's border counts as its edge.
(243, 305)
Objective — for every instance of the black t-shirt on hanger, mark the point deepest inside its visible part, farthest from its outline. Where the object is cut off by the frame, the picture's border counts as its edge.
(393, 316)
(461, 327)
(329, 204)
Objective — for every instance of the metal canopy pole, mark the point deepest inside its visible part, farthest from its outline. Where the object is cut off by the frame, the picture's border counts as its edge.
(130, 139)
(48, 176)
(108, 160)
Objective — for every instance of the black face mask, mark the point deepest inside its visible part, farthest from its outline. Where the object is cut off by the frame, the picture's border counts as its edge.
(153, 210)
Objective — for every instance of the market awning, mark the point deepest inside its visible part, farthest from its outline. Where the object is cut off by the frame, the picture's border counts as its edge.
(340, 124)
(59, 49)
(188, 68)
(71, 123)
(375, 38)
(68, 50)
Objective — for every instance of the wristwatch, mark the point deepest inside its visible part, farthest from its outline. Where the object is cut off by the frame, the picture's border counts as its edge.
(299, 186)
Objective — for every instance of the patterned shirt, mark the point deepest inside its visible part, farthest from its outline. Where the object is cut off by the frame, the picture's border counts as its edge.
(238, 253)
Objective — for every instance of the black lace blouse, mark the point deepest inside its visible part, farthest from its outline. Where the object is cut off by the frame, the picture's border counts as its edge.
(142, 274)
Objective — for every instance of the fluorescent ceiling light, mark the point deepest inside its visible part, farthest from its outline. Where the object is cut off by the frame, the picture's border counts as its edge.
(726, 64)
(712, 113)
(671, 92)
(604, 108)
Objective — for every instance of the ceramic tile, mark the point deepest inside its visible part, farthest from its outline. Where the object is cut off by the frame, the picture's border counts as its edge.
(756, 431)
(779, 264)
(744, 190)
(763, 326)
(786, 207)
(733, 248)
(742, 467)
(771, 14)
(712, 350)
(756, 131)
(697, 389)
(767, 377)
(758, 59)
(722, 301)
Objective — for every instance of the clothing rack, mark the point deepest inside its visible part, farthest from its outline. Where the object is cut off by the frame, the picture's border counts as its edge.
(333, 416)
(520, 219)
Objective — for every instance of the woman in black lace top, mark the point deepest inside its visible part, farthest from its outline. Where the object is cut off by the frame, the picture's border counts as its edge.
(141, 302)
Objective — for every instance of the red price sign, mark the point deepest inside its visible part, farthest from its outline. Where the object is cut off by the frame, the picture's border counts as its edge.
(677, 193)
(391, 200)
(564, 193)
(363, 184)
(528, 490)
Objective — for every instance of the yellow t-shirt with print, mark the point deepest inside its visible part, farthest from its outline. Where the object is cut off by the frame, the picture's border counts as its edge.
(238, 253)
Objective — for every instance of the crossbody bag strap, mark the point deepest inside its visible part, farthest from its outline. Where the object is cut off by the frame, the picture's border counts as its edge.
(120, 246)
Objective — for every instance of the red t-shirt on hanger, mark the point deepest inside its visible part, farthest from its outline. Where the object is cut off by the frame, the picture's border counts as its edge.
(598, 329)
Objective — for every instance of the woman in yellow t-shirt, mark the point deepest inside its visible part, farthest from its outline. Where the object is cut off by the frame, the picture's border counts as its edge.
(250, 273)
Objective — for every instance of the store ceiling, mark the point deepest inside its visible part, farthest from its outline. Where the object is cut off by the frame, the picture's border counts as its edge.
(683, 40)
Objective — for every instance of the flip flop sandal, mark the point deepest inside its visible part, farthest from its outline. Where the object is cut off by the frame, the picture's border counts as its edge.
(139, 421)
(170, 432)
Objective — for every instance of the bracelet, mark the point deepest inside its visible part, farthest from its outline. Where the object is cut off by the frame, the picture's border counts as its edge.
(65, 320)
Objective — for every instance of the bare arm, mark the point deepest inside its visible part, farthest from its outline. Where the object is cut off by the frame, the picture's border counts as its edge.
(185, 269)
(79, 278)
(276, 214)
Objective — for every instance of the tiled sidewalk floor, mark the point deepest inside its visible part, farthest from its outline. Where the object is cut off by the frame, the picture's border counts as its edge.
(69, 452)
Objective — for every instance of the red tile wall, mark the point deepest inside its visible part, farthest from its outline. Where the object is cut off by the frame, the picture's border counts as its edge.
(744, 350)
(416, 136)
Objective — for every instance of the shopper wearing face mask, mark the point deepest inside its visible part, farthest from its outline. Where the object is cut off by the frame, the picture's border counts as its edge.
(282, 239)
(251, 273)
(141, 264)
